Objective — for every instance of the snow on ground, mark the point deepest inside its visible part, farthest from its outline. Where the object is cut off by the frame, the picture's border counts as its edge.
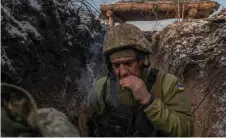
(35, 4)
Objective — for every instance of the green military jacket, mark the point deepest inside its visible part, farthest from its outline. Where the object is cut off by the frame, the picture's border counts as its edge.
(170, 113)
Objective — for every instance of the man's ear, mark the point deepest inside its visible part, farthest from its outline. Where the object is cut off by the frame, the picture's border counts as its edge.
(145, 63)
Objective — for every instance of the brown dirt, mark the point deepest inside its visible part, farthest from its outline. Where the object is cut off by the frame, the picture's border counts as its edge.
(195, 51)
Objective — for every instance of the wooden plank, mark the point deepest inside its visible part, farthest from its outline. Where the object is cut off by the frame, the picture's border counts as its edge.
(156, 10)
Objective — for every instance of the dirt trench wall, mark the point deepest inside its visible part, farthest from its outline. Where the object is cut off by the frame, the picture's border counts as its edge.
(45, 47)
(195, 50)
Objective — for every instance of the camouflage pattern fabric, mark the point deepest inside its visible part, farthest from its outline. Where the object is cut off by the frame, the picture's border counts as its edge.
(53, 123)
(125, 35)
(20, 116)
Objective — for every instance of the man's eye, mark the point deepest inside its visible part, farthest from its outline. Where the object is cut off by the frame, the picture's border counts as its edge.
(129, 63)
(115, 65)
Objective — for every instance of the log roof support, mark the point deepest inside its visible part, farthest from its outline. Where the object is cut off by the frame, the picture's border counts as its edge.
(121, 12)
(110, 15)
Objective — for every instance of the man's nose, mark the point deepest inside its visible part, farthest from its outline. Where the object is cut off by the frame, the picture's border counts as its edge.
(123, 71)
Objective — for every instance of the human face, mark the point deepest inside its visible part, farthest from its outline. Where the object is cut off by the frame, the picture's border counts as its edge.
(126, 66)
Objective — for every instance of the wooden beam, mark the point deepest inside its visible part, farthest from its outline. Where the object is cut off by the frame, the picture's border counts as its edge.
(159, 5)
(147, 11)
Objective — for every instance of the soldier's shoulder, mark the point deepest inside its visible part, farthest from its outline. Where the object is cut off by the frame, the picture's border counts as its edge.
(170, 77)
(169, 81)
(100, 82)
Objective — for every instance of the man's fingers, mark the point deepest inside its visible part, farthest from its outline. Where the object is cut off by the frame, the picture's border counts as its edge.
(125, 84)
(123, 81)
(127, 80)
(131, 77)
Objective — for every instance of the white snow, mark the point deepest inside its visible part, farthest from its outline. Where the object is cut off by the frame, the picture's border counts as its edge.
(178, 46)
(220, 126)
(83, 27)
(57, 3)
(84, 17)
(35, 5)
(5, 61)
(93, 34)
(69, 43)
(182, 55)
(6, 11)
(24, 26)
(14, 32)
(31, 29)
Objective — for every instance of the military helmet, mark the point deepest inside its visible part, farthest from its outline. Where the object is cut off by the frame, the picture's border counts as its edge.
(125, 36)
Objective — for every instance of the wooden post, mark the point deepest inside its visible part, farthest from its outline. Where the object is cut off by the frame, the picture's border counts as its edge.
(183, 11)
(110, 15)
(178, 11)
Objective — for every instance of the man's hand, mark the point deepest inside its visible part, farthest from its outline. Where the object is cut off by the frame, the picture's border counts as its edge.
(137, 86)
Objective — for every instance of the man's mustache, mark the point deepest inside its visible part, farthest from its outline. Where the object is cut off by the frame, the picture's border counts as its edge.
(121, 77)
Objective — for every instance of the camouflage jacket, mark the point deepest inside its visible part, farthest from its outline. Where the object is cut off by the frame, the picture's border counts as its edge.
(171, 113)
(20, 116)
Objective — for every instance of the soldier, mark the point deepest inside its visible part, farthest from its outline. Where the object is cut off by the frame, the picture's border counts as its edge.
(21, 118)
(135, 99)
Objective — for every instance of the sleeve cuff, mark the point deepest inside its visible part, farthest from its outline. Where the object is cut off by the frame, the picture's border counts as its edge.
(152, 107)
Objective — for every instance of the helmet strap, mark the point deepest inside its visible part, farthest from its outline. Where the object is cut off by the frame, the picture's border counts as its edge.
(144, 62)
(109, 67)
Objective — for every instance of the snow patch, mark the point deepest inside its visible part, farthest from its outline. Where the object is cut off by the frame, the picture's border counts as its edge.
(57, 3)
(83, 27)
(69, 43)
(31, 29)
(14, 32)
(35, 5)
(23, 25)
(182, 55)
(220, 126)
(5, 61)
(85, 17)
(222, 99)
(12, 18)
(94, 34)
